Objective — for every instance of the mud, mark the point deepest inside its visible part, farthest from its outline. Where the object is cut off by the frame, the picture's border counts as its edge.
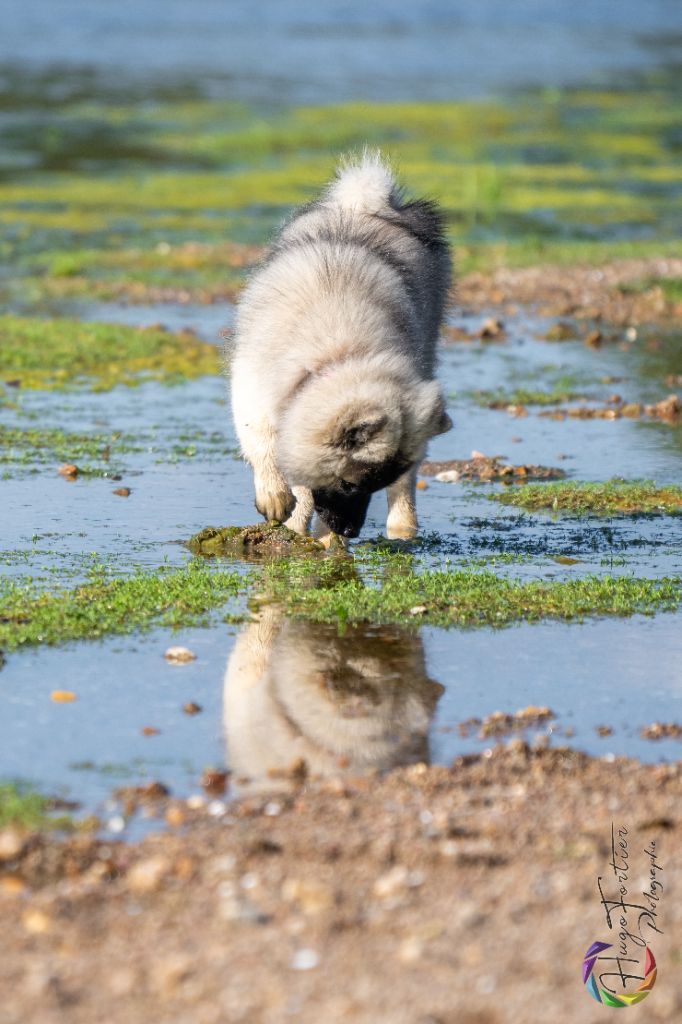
(464, 894)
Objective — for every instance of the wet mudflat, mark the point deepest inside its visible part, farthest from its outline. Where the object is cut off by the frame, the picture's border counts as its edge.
(302, 693)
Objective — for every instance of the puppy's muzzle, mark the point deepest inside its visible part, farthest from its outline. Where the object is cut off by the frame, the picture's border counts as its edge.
(344, 508)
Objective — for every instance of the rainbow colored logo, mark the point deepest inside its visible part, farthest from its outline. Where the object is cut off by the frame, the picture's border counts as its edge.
(604, 997)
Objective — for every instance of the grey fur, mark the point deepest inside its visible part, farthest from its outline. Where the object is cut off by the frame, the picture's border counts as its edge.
(333, 385)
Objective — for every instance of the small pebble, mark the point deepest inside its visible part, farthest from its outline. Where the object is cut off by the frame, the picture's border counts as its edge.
(304, 960)
(122, 492)
(116, 823)
(62, 696)
(149, 730)
(213, 781)
(179, 655)
(191, 708)
(216, 808)
(68, 470)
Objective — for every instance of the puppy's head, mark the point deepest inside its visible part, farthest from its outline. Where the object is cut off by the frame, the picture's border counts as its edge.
(348, 434)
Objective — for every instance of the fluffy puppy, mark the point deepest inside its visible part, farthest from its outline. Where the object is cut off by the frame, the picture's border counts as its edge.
(333, 389)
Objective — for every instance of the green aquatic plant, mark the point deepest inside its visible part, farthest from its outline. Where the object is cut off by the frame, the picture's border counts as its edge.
(501, 399)
(461, 598)
(25, 808)
(612, 496)
(63, 353)
(102, 606)
(34, 446)
(566, 176)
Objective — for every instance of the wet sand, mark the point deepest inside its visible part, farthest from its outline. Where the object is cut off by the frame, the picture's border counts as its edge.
(432, 895)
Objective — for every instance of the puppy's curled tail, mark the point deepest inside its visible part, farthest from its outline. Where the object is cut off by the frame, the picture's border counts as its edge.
(364, 183)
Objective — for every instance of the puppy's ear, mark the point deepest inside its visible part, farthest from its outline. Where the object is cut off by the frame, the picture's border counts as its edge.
(430, 409)
(356, 435)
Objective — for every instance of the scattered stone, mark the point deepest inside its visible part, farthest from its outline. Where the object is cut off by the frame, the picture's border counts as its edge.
(304, 960)
(175, 816)
(147, 875)
(594, 339)
(487, 468)
(422, 485)
(668, 410)
(179, 655)
(132, 797)
(499, 722)
(69, 471)
(603, 730)
(492, 328)
(311, 896)
(62, 696)
(214, 781)
(11, 844)
(122, 492)
(661, 730)
(190, 708)
(150, 730)
(36, 922)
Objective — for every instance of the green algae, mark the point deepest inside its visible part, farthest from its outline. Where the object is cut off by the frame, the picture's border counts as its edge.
(613, 496)
(670, 286)
(460, 598)
(102, 606)
(501, 399)
(574, 175)
(24, 808)
(263, 540)
(34, 446)
(60, 353)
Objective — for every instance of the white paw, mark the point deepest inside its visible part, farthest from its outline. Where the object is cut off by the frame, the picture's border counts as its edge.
(275, 504)
(401, 529)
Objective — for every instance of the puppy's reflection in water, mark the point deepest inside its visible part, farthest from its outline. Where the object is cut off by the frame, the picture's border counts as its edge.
(297, 690)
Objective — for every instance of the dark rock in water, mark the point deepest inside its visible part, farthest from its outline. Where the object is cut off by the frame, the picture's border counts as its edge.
(262, 540)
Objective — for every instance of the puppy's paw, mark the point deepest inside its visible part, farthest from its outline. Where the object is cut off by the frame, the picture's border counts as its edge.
(401, 529)
(275, 504)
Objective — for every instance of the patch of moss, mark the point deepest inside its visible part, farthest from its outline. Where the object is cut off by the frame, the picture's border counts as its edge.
(525, 396)
(27, 809)
(461, 598)
(264, 540)
(621, 496)
(62, 353)
(39, 445)
(173, 598)
(670, 286)
(136, 201)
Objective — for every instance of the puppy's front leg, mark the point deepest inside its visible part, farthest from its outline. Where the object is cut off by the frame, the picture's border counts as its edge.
(401, 522)
(274, 498)
(299, 520)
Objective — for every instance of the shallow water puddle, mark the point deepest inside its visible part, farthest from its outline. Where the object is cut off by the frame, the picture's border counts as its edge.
(277, 691)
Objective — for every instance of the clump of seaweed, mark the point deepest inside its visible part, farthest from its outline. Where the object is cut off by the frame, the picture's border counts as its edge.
(263, 540)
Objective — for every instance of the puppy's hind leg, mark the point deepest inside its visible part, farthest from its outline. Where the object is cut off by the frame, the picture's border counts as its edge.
(401, 522)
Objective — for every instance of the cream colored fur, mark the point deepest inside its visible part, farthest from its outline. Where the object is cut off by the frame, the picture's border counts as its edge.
(329, 337)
